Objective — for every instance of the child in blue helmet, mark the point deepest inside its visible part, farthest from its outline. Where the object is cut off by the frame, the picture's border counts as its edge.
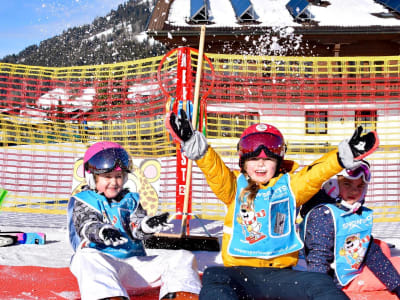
(107, 226)
(337, 231)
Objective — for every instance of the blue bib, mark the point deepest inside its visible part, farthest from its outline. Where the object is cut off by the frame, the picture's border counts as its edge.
(266, 229)
(353, 234)
(116, 214)
(352, 237)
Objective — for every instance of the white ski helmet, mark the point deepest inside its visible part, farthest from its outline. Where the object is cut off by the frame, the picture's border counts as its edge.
(331, 186)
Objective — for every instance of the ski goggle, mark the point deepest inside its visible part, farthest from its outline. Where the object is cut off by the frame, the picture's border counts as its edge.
(252, 143)
(361, 171)
(108, 160)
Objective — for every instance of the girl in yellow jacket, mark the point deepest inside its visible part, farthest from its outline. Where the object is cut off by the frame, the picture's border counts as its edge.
(260, 244)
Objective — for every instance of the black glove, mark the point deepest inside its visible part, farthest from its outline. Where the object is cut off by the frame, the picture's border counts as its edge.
(362, 146)
(112, 236)
(180, 127)
(156, 224)
(194, 143)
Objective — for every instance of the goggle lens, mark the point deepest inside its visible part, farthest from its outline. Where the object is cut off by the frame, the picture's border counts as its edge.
(107, 160)
(252, 142)
(362, 170)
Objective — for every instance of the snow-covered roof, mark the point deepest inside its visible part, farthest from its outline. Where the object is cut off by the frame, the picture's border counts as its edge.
(61, 97)
(273, 13)
(354, 27)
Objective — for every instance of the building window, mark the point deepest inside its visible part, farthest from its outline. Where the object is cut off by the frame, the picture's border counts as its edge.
(316, 122)
(231, 125)
(366, 118)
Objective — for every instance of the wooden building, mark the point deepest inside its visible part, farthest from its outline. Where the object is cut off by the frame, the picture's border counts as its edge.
(322, 28)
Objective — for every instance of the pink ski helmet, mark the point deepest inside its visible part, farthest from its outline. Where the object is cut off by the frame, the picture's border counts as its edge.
(261, 139)
(104, 157)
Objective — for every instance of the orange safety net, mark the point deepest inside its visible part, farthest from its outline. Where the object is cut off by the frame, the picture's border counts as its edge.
(50, 115)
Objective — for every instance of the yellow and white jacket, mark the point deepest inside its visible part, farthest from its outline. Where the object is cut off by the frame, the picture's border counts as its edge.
(304, 184)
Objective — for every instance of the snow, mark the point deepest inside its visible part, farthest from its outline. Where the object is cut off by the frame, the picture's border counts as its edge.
(57, 252)
(52, 98)
(103, 33)
(59, 96)
(273, 13)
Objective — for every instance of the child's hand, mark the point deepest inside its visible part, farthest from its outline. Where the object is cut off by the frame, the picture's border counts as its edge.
(362, 146)
(194, 143)
(358, 147)
(179, 127)
(156, 224)
(112, 236)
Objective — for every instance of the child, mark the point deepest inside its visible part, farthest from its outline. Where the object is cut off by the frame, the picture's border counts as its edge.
(260, 244)
(335, 248)
(107, 225)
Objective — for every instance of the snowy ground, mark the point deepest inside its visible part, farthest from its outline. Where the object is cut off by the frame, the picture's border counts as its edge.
(57, 251)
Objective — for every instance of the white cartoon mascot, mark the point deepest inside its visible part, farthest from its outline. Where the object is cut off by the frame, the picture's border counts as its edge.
(248, 219)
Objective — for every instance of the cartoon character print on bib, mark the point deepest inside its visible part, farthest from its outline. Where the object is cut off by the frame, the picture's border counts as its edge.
(353, 234)
(248, 218)
(266, 228)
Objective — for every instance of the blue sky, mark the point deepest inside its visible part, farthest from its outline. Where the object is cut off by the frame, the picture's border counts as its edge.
(27, 22)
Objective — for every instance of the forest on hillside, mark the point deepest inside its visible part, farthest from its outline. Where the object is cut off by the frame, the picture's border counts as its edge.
(113, 38)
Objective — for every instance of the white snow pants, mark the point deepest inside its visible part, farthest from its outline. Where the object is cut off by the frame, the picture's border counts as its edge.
(100, 275)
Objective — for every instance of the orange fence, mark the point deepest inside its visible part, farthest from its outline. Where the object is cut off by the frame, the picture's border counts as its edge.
(50, 115)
